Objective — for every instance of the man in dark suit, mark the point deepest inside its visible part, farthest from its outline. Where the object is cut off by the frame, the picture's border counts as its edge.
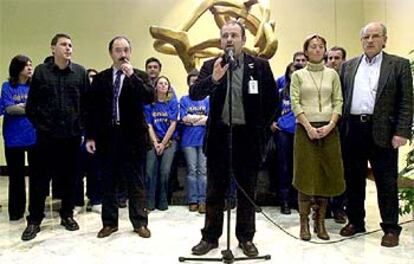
(117, 131)
(377, 117)
(254, 99)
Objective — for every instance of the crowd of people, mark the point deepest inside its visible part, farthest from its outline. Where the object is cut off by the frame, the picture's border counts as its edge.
(122, 128)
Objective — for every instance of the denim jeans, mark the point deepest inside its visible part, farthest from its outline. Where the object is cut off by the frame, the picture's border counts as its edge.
(196, 174)
(157, 175)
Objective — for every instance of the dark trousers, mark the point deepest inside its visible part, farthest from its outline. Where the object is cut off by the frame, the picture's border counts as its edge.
(359, 148)
(15, 159)
(337, 203)
(284, 154)
(88, 166)
(245, 166)
(117, 165)
(54, 155)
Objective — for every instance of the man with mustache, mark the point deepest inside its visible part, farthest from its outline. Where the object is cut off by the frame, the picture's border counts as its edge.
(117, 132)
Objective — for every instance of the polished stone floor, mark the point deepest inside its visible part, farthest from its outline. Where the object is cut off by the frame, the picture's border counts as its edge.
(175, 231)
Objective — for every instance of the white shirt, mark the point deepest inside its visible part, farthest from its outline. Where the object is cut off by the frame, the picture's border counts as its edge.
(366, 85)
(114, 71)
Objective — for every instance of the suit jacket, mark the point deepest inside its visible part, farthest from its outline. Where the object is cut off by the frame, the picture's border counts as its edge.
(135, 93)
(258, 108)
(393, 110)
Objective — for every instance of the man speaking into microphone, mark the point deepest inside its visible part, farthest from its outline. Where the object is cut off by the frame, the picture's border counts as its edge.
(249, 82)
(117, 132)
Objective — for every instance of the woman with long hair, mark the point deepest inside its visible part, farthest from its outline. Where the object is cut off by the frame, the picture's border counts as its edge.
(162, 121)
(19, 134)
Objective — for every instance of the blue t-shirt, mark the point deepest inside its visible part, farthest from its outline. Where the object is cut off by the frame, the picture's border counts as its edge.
(17, 129)
(281, 82)
(160, 115)
(192, 136)
(287, 120)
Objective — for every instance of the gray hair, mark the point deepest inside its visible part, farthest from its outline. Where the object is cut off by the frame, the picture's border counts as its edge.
(384, 28)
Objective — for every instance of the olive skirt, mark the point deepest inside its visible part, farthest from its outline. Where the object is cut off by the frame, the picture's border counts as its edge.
(317, 164)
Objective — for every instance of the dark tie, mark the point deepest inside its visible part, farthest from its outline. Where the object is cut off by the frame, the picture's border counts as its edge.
(117, 85)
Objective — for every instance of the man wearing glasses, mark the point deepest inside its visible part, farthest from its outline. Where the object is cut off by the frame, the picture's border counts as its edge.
(377, 117)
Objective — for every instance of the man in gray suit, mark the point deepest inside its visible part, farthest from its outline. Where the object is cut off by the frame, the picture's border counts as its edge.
(377, 118)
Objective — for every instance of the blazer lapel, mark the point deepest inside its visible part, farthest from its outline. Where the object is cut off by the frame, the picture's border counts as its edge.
(247, 72)
(384, 73)
(107, 85)
(352, 70)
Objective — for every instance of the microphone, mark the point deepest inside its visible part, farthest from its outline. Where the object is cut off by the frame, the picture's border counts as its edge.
(229, 52)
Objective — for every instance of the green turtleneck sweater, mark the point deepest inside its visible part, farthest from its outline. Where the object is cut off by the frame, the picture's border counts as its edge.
(316, 91)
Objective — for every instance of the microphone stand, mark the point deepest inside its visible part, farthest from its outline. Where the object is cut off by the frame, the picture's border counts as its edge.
(227, 254)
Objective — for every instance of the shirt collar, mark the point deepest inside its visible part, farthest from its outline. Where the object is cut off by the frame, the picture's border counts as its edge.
(115, 70)
(55, 67)
(376, 59)
(240, 60)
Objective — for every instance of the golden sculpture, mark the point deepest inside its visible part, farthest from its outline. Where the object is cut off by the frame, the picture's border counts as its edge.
(176, 42)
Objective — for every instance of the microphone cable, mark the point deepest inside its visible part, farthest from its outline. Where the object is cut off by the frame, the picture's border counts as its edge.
(258, 209)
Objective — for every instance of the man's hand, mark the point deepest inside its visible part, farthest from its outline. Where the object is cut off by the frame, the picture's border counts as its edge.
(90, 146)
(398, 141)
(127, 68)
(218, 71)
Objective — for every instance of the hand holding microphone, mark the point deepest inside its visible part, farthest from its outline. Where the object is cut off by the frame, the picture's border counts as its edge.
(126, 67)
(229, 53)
(219, 70)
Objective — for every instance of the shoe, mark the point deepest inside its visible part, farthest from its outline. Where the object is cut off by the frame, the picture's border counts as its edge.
(143, 231)
(390, 240)
(97, 208)
(202, 208)
(203, 248)
(77, 210)
(122, 203)
(319, 227)
(193, 207)
(284, 208)
(304, 205)
(30, 232)
(339, 217)
(249, 249)
(107, 231)
(69, 223)
(350, 230)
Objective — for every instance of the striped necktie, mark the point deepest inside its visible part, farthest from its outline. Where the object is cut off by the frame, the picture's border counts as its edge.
(117, 85)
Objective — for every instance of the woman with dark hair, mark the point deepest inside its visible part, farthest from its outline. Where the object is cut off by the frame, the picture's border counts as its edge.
(317, 104)
(162, 120)
(18, 132)
(283, 129)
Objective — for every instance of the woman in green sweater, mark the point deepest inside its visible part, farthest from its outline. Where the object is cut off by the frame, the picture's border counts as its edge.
(317, 104)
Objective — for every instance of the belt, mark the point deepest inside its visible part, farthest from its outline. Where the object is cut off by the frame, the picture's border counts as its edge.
(363, 118)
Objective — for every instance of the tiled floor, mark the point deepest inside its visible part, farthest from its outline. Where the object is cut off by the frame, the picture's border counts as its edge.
(175, 231)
